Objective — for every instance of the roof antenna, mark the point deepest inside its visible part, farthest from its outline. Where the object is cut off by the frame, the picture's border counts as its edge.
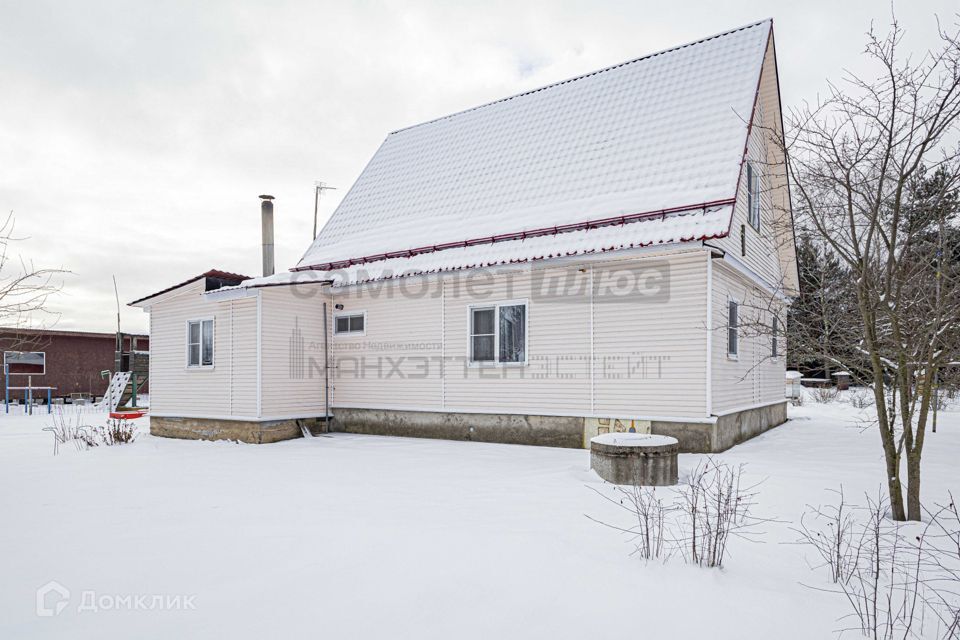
(318, 186)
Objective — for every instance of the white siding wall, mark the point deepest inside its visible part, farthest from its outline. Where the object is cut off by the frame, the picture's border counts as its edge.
(556, 378)
(397, 362)
(292, 382)
(753, 377)
(646, 349)
(648, 346)
(226, 389)
(651, 354)
(243, 348)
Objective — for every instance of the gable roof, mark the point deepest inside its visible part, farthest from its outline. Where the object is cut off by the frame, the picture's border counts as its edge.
(662, 133)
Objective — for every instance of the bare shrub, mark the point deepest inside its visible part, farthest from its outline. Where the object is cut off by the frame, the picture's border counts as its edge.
(116, 432)
(823, 395)
(64, 431)
(899, 580)
(84, 436)
(860, 397)
(832, 530)
(708, 509)
(943, 544)
(716, 507)
(650, 513)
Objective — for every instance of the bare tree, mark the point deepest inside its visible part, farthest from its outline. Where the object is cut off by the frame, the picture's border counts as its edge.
(24, 292)
(855, 159)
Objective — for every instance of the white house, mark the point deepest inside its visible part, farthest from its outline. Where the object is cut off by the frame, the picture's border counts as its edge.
(576, 259)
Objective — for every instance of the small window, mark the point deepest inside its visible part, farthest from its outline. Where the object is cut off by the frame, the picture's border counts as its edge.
(774, 330)
(200, 343)
(743, 240)
(350, 323)
(753, 197)
(498, 333)
(733, 326)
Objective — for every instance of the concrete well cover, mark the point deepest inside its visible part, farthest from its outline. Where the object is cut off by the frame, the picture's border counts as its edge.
(633, 440)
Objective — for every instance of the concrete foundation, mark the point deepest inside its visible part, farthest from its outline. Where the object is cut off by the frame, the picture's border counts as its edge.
(553, 431)
(237, 430)
(734, 428)
(549, 431)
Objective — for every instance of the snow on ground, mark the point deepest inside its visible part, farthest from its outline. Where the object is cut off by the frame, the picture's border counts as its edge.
(376, 537)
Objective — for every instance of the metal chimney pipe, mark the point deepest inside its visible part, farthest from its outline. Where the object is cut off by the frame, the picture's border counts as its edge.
(266, 227)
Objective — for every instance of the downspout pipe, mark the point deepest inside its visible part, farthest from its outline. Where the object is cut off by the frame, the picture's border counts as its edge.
(326, 372)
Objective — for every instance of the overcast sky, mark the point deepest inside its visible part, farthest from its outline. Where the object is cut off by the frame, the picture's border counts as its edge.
(135, 137)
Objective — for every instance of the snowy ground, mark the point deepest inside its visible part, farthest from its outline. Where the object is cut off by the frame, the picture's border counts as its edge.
(375, 537)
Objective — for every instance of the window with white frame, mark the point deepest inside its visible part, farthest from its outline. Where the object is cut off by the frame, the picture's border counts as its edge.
(733, 328)
(775, 330)
(347, 323)
(200, 343)
(498, 333)
(753, 196)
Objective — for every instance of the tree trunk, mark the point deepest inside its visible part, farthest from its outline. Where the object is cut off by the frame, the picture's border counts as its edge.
(914, 510)
(926, 389)
(885, 424)
(890, 454)
(894, 487)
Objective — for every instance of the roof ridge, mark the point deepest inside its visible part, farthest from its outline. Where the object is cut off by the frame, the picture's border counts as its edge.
(586, 75)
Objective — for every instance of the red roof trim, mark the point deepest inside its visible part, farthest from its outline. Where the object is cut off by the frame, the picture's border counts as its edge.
(492, 263)
(519, 235)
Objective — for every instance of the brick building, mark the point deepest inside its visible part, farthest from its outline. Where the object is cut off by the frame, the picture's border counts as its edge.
(74, 359)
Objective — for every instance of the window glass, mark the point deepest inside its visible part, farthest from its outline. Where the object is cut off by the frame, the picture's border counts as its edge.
(207, 351)
(193, 344)
(499, 333)
(733, 322)
(776, 329)
(513, 339)
(349, 324)
(482, 337)
(753, 197)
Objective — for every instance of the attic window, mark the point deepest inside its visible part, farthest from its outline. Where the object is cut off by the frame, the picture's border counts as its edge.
(350, 323)
(753, 197)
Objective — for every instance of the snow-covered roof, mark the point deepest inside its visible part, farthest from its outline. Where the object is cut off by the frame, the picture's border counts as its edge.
(710, 222)
(663, 132)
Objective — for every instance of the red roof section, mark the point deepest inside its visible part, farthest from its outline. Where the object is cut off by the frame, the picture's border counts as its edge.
(233, 278)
